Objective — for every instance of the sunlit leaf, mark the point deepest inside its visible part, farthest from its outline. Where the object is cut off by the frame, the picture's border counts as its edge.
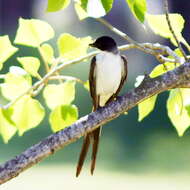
(33, 32)
(186, 100)
(188, 109)
(82, 14)
(107, 4)
(87, 85)
(15, 70)
(30, 64)
(15, 85)
(47, 52)
(177, 110)
(163, 68)
(63, 116)
(6, 49)
(59, 94)
(71, 47)
(57, 5)
(160, 26)
(7, 127)
(146, 107)
(96, 8)
(27, 114)
(138, 8)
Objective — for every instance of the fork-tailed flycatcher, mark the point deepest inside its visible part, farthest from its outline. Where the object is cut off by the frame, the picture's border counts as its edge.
(108, 72)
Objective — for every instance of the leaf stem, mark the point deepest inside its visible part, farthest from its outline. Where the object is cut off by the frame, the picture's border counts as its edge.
(44, 61)
(172, 31)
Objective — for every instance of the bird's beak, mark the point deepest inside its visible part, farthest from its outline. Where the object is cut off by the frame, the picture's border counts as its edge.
(92, 45)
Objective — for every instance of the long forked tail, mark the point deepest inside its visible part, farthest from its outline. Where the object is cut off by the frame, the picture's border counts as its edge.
(83, 154)
(96, 139)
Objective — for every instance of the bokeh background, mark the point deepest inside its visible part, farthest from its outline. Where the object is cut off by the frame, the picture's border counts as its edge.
(132, 155)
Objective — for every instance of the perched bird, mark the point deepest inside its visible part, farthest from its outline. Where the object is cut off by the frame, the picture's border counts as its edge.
(108, 72)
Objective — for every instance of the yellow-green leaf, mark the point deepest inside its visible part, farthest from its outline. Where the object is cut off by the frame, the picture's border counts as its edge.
(6, 49)
(177, 110)
(27, 114)
(159, 25)
(63, 116)
(15, 85)
(59, 94)
(87, 85)
(96, 8)
(146, 107)
(33, 32)
(71, 47)
(7, 127)
(47, 52)
(30, 64)
(138, 8)
(57, 5)
(82, 14)
(163, 68)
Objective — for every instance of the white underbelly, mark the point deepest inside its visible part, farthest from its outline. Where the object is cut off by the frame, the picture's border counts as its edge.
(108, 76)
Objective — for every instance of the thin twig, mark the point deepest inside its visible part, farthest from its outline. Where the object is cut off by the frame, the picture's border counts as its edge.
(47, 76)
(59, 67)
(63, 77)
(145, 48)
(125, 36)
(42, 56)
(171, 29)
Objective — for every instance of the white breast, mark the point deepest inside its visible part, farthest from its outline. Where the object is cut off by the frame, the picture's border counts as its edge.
(108, 75)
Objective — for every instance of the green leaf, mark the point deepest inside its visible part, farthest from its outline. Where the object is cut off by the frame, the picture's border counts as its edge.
(63, 116)
(186, 100)
(59, 94)
(7, 127)
(27, 114)
(71, 47)
(163, 68)
(138, 8)
(146, 107)
(87, 85)
(57, 5)
(33, 32)
(15, 85)
(159, 26)
(47, 52)
(107, 4)
(81, 13)
(96, 8)
(6, 49)
(30, 64)
(188, 109)
(177, 110)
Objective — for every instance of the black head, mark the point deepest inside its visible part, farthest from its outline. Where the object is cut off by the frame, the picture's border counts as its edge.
(105, 43)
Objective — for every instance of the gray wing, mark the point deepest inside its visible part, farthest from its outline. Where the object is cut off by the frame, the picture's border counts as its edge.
(124, 74)
(92, 82)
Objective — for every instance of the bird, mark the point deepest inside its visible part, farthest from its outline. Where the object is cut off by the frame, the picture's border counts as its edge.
(108, 73)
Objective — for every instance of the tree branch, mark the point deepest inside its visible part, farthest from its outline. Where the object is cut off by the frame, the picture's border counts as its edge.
(179, 77)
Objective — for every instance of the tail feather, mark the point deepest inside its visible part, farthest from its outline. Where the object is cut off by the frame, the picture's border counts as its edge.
(96, 138)
(83, 154)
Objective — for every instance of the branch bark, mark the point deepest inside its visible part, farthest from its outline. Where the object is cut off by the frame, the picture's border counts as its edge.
(179, 77)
